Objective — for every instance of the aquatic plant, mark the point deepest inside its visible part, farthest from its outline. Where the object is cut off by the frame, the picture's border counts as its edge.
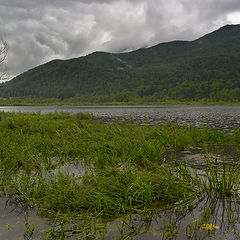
(221, 180)
(126, 166)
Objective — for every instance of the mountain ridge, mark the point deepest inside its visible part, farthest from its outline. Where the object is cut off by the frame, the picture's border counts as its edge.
(205, 68)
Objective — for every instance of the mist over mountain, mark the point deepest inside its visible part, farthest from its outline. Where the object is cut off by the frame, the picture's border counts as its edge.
(206, 68)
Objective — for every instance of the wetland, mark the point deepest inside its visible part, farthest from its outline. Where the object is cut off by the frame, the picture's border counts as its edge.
(120, 172)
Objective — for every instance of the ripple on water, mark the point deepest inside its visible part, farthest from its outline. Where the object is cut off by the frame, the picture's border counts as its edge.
(221, 117)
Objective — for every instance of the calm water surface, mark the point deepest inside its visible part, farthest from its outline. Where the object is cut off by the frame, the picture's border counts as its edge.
(224, 117)
(14, 221)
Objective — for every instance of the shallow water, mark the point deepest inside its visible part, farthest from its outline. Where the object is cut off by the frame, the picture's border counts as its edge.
(187, 222)
(75, 169)
(13, 221)
(224, 117)
(181, 223)
(199, 158)
(13, 218)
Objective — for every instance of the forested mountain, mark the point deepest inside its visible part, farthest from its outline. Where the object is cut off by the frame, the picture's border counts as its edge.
(206, 68)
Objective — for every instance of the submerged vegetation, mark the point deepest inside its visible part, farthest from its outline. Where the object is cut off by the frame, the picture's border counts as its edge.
(76, 169)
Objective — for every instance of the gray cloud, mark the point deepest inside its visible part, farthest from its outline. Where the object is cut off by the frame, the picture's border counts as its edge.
(40, 30)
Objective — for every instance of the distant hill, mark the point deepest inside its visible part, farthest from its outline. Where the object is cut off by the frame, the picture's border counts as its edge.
(206, 68)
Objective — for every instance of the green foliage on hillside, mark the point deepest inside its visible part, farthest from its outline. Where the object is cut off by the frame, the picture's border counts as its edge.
(204, 69)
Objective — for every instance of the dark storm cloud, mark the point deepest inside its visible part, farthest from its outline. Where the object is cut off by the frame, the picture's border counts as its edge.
(40, 30)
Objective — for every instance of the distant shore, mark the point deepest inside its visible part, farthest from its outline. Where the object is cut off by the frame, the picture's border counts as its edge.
(75, 102)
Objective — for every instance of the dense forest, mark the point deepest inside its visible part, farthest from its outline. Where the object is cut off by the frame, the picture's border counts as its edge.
(204, 69)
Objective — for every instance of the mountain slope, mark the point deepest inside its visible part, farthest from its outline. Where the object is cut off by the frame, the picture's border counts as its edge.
(206, 68)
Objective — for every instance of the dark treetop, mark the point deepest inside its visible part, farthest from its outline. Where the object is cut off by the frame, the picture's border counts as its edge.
(206, 68)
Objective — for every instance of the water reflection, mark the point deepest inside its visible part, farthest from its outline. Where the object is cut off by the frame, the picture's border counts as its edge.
(54, 168)
(17, 222)
(199, 158)
(182, 222)
(206, 218)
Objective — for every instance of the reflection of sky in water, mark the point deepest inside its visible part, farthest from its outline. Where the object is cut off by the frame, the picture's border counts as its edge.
(199, 158)
(181, 223)
(12, 216)
(74, 169)
(12, 221)
(224, 117)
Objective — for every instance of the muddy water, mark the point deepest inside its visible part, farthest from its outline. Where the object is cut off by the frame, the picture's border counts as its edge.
(224, 117)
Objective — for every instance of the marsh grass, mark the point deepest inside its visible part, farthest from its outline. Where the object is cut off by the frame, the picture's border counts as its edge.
(106, 193)
(221, 180)
(126, 173)
(213, 180)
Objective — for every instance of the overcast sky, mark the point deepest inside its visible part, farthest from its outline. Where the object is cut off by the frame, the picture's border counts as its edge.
(41, 30)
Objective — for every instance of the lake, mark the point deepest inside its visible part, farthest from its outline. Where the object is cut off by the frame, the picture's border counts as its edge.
(221, 117)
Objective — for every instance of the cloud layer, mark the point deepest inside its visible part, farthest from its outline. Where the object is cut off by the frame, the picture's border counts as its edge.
(40, 30)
